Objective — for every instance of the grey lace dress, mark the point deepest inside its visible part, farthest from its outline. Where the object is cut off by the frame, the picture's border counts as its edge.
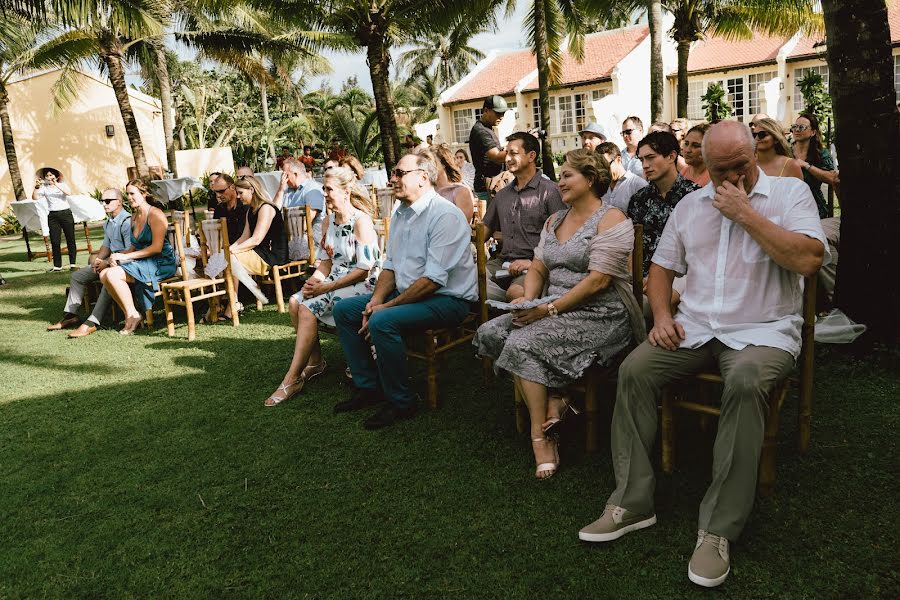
(555, 351)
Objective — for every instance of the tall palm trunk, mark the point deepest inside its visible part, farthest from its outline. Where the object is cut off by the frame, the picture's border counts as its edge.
(161, 70)
(541, 53)
(111, 55)
(267, 121)
(868, 145)
(379, 67)
(654, 20)
(684, 51)
(10, 147)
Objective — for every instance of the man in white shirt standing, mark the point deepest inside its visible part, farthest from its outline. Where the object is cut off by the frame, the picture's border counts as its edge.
(746, 240)
(624, 183)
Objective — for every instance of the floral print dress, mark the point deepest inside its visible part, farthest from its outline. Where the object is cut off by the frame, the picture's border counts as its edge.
(346, 253)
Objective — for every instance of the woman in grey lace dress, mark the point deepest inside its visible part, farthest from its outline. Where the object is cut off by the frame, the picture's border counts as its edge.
(552, 345)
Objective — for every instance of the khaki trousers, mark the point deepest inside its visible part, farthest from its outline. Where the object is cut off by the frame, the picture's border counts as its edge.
(748, 375)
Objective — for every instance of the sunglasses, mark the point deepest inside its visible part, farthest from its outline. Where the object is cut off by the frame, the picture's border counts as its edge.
(399, 173)
(761, 135)
(108, 200)
(625, 132)
(799, 127)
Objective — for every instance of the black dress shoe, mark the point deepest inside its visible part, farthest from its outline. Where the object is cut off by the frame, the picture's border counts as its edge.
(360, 398)
(389, 415)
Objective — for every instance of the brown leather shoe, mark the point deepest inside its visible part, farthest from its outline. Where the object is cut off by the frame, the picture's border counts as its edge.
(64, 324)
(83, 330)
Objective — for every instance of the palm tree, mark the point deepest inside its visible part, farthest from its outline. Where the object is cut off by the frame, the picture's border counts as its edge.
(868, 144)
(448, 56)
(108, 35)
(657, 77)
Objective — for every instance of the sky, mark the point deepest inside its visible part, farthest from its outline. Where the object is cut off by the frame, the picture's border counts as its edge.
(508, 36)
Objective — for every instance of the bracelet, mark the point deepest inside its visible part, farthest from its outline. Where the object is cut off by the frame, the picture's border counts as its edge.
(551, 310)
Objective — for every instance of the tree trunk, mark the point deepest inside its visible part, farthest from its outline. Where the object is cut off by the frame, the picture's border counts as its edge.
(541, 53)
(654, 19)
(684, 51)
(868, 145)
(112, 58)
(267, 122)
(161, 70)
(10, 148)
(379, 71)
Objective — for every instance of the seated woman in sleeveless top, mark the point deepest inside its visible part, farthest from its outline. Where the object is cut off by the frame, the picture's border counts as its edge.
(350, 269)
(584, 255)
(695, 167)
(449, 183)
(263, 243)
(148, 261)
(773, 153)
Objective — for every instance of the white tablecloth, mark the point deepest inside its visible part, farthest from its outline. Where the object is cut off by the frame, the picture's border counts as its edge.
(376, 177)
(32, 215)
(271, 180)
(167, 190)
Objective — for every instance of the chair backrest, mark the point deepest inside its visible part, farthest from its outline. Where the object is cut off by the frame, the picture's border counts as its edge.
(384, 199)
(299, 225)
(479, 238)
(382, 230)
(181, 227)
(637, 266)
(214, 239)
(479, 210)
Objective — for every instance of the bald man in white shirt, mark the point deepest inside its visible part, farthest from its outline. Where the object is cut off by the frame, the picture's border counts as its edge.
(747, 239)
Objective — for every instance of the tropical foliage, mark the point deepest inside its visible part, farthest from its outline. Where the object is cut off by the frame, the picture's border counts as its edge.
(817, 101)
(715, 104)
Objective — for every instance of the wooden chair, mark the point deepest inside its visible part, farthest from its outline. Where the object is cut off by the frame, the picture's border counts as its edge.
(63, 248)
(382, 230)
(181, 222)
(298, 225)
(672, 399)
(185, 293)
(384, 201)
(596, 376)
(431, 345)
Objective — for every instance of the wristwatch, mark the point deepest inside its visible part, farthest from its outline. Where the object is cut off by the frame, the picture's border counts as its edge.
(551, 310)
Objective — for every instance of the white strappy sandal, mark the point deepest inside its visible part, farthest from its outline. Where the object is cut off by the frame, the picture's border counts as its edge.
(274, 400)
(548, 467)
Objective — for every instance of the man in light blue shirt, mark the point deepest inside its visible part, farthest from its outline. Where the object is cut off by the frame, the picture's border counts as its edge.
(116, 238)
(298, 188)
(428, 280)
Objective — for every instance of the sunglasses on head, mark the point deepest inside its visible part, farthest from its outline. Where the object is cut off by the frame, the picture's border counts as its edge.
(760, 135)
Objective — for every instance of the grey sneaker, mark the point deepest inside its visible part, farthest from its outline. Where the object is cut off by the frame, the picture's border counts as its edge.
(710, 564)
(614, 523)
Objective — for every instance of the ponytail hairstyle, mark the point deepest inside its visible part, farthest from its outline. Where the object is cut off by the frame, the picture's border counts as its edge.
(142, 186)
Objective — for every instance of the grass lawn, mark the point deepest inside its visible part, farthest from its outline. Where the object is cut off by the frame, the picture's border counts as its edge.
(147, 466)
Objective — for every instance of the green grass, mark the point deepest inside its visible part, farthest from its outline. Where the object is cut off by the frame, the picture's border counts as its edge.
(148, 467)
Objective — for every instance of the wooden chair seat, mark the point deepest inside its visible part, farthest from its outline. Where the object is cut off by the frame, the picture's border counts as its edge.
(686, 397)
(297, 226)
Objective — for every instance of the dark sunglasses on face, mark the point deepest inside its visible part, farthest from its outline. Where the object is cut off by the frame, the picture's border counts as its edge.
(760, 135)
(399, 173)
(108, 200)
(625, 132)
(796, 127)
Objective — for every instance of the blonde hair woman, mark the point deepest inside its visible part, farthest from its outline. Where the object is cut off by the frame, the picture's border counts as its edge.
(588, 317)
(149, 260)
(263, 243)
(773, 153)
(349, 269)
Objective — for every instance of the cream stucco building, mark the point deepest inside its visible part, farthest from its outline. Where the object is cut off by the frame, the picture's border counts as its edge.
(76, 141)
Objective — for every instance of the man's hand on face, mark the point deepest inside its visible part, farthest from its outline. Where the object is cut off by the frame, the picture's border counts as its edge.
(731, 200)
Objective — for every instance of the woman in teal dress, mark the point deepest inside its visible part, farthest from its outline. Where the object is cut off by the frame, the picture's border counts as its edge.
(146, 263)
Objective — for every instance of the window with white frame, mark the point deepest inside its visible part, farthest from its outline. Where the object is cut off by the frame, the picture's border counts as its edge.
(755, 92)
(462, 124)
(580, 112)
(800, 74)
(696, 89)
(566, 114)
(897, 76)
(736, 97)
(536, 114)
(598, 94)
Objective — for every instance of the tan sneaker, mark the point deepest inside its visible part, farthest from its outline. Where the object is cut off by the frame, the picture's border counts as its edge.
(710, 564)
(614, 523)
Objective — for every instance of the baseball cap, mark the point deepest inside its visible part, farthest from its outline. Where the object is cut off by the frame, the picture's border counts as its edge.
(496, 103)
(594, 128)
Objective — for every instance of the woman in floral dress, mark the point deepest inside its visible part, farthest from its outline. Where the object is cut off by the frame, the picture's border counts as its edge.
(351, 269)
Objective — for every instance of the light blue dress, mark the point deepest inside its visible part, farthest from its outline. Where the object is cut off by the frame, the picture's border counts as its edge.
(150, 270)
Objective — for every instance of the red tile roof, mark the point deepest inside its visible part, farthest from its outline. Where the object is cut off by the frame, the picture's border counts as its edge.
(602, 52)
(716, 54)
(807, 46)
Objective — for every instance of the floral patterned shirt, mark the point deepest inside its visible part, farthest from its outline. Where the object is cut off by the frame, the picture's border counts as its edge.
(650, 209)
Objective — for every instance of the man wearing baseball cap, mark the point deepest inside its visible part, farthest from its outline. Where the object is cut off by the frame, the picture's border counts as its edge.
(487, 156)
(592, 136)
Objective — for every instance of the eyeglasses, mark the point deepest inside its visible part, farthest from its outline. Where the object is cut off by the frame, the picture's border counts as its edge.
(625, 132)
(796, 127)
(760, 135)
(108, 200)
(399, 173)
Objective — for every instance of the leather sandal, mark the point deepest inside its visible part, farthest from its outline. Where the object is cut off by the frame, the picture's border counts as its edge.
(311, 371)
(552, 426)
(274, 400)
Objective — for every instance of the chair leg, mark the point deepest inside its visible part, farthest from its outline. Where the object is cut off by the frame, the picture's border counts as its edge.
(592, 412)
(279, 293)
(432, 365)
(189, 307)
(148, 316)
(766, 480)
(170, 316)
(521, 412)
(804, 417)
(487, 370)
(668, 432)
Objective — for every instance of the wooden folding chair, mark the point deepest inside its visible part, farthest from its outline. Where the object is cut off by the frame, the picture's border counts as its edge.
(298, 223)
(596, 375)
(672, 399)
(382, 230)
(213, 239)
(431, 345)
(384, 201)
(181, 222)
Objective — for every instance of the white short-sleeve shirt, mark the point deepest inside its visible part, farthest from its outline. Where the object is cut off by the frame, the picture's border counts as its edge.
(736, 293)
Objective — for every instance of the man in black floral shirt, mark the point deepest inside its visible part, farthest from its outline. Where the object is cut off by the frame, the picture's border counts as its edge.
(652, 205)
